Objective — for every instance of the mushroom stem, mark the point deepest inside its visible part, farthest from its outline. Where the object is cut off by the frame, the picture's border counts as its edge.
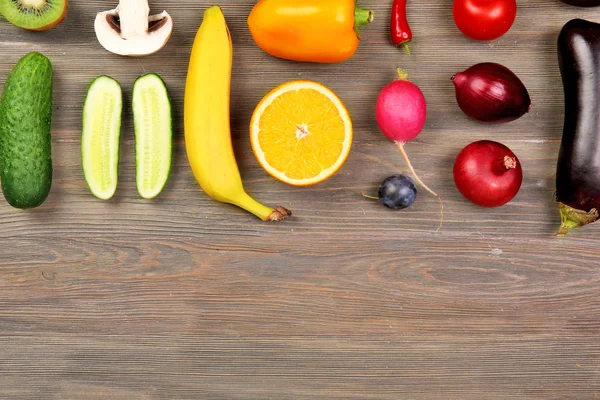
(133, 16)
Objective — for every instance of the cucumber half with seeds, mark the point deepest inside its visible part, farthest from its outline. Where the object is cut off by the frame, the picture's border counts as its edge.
(101, 135)
(153, 134)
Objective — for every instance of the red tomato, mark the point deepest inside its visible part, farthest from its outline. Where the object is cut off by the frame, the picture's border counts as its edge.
(484, 19)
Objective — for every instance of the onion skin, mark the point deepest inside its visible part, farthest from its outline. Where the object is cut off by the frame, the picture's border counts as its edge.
(488, 173)
(578, 171)
(582, 3)
(491, 93)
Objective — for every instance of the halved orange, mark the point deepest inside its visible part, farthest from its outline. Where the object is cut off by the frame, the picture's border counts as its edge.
(301, 133)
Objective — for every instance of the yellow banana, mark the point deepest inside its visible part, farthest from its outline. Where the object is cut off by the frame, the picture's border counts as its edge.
(206, 115)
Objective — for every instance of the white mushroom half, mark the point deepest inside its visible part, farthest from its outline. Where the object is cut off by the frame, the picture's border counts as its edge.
(130, 30)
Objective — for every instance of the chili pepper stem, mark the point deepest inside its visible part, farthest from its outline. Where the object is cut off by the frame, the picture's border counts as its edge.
(406, 47)
(362, 17)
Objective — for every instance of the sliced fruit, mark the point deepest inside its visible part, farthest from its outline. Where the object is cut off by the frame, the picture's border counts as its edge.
(153, 134)
(301, 133)
(35, 15)
(101, 134)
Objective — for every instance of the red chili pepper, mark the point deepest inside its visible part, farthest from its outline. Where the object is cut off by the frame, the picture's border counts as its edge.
(400, 30)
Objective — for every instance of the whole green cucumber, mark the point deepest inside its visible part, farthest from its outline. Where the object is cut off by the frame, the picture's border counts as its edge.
(25, 141)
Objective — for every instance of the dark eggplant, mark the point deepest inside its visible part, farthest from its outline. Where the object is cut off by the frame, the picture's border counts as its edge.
(578, 173)
(582, 3)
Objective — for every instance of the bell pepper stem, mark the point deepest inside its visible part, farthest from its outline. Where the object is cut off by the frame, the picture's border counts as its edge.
(362, 17)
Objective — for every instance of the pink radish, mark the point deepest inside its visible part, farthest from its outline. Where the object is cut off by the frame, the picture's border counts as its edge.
(401, 114)
(401, 109)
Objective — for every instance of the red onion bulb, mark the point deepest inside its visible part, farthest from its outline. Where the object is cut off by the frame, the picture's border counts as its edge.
(492, 93)
(488, 173)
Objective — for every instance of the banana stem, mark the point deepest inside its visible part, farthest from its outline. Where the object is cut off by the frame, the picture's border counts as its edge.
(263, 212)
(279, 214)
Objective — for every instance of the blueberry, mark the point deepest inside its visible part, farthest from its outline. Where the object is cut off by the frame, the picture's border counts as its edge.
(398, 192)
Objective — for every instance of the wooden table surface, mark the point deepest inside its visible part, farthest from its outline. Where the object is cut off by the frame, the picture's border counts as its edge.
(186, 298)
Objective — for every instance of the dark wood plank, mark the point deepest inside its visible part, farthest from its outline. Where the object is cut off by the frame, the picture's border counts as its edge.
(185, 298)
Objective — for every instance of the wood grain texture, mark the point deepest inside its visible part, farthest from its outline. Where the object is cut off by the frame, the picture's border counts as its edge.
(185, 298)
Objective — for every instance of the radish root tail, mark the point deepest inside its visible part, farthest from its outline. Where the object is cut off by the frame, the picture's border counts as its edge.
(420, 182)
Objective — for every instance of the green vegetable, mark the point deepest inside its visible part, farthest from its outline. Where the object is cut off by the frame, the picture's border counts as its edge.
(25, 141)
(101, 134)
(153, 134)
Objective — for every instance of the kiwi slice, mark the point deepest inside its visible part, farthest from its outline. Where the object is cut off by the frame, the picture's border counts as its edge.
(35, 15)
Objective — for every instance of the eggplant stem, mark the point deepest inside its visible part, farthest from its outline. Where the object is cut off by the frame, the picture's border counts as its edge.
(572, 218)
(420, 182)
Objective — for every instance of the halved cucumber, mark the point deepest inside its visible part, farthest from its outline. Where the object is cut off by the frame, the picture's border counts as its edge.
(153, 134)
(101, 134)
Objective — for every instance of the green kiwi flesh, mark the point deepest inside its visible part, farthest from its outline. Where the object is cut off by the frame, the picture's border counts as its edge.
(35, 15)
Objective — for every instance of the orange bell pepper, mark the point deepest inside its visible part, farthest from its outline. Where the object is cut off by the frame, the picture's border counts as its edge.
(325, 31)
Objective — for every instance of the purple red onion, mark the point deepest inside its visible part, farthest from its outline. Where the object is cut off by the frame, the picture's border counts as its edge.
(491, 93)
